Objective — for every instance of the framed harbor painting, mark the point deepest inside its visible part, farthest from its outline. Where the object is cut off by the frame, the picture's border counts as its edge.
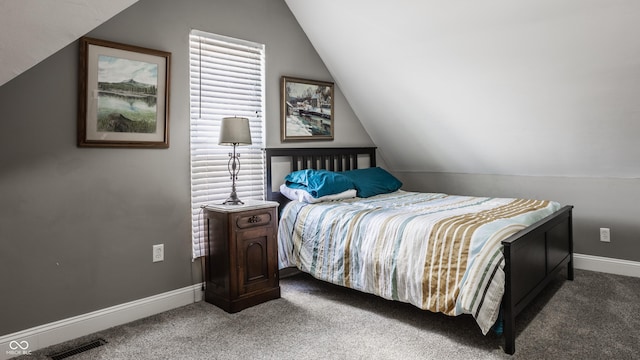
(123, 95)
(306, 109)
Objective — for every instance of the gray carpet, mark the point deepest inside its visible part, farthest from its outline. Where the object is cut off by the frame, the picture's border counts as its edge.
(597, 316)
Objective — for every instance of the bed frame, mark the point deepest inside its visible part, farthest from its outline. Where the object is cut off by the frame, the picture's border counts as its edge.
(533, 256)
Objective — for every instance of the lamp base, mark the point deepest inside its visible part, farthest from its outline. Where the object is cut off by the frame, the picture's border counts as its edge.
(233, 200)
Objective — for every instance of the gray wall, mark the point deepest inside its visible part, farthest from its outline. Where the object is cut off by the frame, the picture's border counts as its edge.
(77, 225)
(598, 202)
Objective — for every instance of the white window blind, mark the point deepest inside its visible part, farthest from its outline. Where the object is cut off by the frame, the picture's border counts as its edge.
(227, 79)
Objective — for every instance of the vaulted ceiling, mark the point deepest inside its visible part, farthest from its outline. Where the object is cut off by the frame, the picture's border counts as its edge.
(534, 87)
(32, 30)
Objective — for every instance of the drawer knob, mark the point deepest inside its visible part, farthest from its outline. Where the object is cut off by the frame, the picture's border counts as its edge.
(254, 219)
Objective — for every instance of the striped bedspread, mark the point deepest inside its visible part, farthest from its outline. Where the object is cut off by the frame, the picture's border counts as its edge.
(439, 252)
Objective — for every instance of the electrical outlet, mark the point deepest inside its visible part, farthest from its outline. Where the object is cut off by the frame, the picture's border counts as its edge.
(605, 235)
(158, 252)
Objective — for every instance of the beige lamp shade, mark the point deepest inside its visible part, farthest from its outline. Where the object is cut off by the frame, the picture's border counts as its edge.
(235, 131)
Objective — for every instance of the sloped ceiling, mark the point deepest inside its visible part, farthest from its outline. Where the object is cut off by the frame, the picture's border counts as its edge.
(533, 87)
(32, 30)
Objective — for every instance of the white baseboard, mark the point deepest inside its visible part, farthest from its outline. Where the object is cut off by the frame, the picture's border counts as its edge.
(26, 341)
(606, 265)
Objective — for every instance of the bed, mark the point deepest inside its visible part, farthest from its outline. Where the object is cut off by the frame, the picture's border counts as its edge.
(507, 252)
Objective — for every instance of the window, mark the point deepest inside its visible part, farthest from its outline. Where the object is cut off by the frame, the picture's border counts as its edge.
(226, 79)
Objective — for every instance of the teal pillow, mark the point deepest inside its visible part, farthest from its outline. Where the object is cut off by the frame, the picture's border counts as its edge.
(373, 181)
(319, 183)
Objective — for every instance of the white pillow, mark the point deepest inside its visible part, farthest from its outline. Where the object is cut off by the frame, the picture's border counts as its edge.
(304, 196)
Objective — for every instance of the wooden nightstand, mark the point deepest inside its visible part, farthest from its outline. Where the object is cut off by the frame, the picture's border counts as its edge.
(242, 254)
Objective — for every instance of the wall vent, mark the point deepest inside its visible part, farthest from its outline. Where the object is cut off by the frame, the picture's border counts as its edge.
(78, 349)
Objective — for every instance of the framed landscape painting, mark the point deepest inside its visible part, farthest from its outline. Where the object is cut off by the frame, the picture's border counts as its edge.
(123, 95)
(306, 110)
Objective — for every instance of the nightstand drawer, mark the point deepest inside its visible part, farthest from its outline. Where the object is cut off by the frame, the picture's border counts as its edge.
(254, 219)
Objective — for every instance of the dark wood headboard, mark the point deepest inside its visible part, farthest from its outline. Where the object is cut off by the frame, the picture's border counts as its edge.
(334, 159)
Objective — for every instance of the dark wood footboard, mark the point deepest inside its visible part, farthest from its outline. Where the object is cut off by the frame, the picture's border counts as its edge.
(533, 257)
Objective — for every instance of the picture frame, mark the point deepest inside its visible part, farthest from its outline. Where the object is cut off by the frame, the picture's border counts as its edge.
(123, 95)
(307, 109)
